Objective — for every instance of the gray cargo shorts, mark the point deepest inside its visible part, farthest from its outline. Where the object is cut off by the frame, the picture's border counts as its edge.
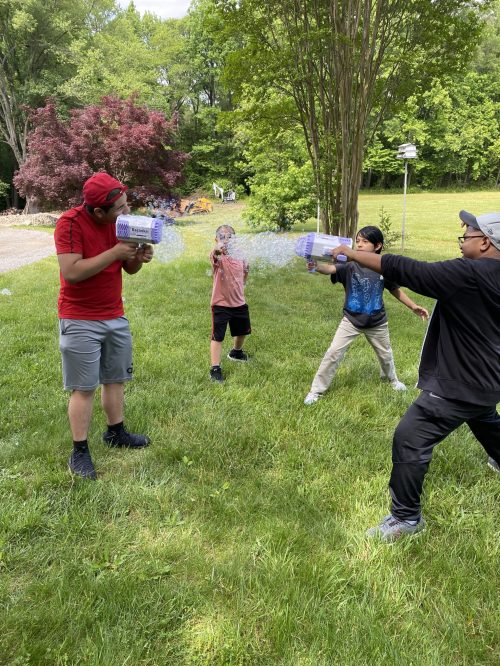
(95, 352)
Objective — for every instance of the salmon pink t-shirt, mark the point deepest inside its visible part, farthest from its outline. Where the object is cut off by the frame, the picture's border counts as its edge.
(229, 280)
(100, 296)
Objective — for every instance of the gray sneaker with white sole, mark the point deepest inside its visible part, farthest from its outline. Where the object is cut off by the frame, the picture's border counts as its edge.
(391, 529)
(493, 464)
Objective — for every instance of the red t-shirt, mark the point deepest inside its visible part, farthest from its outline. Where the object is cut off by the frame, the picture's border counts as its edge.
(100, 296)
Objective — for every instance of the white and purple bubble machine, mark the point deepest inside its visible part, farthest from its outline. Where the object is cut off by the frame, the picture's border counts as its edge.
(318, 247)
(139, 229)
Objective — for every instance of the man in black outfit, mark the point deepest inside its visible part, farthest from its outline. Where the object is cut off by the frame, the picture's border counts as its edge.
(459, 372)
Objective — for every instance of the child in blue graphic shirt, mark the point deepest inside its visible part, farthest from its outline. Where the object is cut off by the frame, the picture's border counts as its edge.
(364, 313)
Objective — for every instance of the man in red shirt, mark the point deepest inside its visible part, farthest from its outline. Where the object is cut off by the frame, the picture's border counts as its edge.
(95, 340)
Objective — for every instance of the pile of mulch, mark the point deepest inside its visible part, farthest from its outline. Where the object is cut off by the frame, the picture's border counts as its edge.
(33, 220)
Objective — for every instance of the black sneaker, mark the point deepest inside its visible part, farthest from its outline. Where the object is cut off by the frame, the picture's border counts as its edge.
(216, 374)
(125, 439)
(237, 355)
(80, 463)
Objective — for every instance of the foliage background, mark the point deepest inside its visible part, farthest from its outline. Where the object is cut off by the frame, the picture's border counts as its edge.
(238, 131)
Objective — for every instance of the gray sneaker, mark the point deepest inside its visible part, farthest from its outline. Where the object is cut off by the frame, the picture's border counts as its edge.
(494, 465)
(391, 529)
(398, 386)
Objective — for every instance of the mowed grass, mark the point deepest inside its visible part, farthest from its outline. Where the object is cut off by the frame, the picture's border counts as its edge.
(237, 538)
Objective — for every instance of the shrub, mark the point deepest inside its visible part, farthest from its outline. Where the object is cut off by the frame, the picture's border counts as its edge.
(391, 237)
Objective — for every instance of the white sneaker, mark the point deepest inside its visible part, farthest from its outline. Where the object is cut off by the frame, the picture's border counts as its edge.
(398, 386)
(311, 398)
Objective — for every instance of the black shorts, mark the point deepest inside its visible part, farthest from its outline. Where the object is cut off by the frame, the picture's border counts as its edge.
(237, 318)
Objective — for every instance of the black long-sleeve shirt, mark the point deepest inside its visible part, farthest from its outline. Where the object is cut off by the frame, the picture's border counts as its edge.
(460, 357)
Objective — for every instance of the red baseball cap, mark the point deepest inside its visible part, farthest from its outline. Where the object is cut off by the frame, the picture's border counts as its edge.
(101, 189)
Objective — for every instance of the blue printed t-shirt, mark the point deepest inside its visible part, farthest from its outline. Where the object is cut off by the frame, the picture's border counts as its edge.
(363, 305)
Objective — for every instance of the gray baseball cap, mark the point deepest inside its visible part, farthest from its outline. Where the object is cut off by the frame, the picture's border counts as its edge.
(488, 224)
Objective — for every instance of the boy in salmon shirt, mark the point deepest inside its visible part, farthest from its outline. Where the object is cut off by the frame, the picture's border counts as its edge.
(228, 302)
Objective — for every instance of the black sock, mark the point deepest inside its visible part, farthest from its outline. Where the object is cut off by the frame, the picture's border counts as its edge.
(215, 366)
(117, 428)
(81, 445)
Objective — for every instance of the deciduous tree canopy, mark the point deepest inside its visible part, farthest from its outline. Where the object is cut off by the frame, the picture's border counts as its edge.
(344, 64)
(131, 142)
(294, 101)
(36, 40)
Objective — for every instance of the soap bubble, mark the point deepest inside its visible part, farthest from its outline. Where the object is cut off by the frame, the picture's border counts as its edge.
(171, 246)
(263, 250)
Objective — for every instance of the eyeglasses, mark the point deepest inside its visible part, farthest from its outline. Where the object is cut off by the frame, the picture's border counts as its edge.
(462, 239)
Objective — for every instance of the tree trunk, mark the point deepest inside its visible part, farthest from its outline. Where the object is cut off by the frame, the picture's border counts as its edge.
(333, 84)
(329, 56)
(32, 206)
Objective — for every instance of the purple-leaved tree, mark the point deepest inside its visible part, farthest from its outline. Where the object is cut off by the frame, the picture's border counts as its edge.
(131, 142)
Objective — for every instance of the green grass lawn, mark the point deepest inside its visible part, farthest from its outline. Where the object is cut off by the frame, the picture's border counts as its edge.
(237, 538)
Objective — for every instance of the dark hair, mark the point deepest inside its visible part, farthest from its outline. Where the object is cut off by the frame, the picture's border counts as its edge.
(373, 235)
(91, 209)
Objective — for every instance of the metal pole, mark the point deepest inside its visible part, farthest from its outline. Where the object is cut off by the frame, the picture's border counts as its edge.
(404, 208)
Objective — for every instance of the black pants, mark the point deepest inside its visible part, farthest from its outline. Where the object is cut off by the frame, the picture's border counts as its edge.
(426, 423)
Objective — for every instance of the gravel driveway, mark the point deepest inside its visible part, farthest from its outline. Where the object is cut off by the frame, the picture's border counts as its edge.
(19, 247)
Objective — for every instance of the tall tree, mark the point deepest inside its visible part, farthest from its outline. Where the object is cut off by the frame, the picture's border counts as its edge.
(343, 64)
(455, 123)
(131, 55)
(35, 56)
(210, 140)
(487, 59)
(172, 65)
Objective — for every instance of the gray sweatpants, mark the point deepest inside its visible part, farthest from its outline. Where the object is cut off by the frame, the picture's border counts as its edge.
(378, 337)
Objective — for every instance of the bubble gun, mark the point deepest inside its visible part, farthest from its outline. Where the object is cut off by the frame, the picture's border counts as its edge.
(139, 229)
(318, 247)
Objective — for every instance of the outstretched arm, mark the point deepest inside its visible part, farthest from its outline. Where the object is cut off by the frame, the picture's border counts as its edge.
(217, 252)
(440, 279)
(367, 259)
(400, 295)
(325, 269)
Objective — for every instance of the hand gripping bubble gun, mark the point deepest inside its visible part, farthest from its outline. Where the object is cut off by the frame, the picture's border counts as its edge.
(318, 247)
(139, 229)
